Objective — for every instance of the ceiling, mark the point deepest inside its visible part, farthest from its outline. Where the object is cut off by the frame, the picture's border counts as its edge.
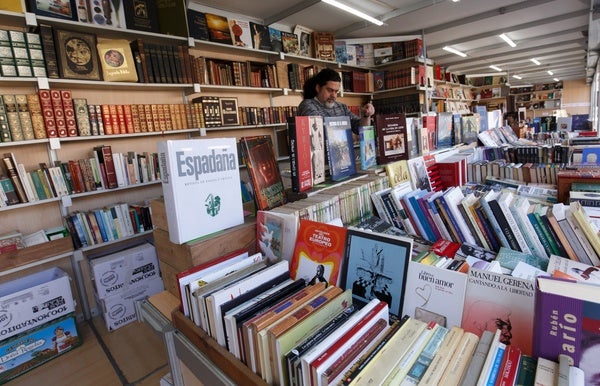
(555, 32)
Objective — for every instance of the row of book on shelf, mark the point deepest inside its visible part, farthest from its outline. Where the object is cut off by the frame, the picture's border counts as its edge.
(446, 291)
(102, 170)
(55, 113)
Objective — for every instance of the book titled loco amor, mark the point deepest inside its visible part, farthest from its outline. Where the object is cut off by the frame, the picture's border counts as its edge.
(201, 186)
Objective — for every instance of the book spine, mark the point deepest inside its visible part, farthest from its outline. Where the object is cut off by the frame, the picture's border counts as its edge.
(11, 169)
(12, 113)
(49, 50)
(82, 117)
(505, 228)
(37, 117)
(59, 113)
(69, 110)
(24, 117)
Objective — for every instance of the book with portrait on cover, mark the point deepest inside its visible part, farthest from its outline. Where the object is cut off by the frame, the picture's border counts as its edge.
(263, 170)
(201, 186)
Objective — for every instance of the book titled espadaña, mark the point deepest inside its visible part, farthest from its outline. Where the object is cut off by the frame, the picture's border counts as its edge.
(201, 186)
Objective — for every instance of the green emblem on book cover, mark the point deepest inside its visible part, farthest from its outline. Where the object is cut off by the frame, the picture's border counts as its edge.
(213, 205)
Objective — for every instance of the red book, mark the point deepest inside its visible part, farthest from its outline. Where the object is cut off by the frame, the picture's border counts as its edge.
(509, 366)
(77, 176)
(114, 119)
(59, 113)
(69, 110)
(319, 252)
(430, 123)
(445, 248)
(48, 113)
(106, 159)
(300, 156)
(107, 119)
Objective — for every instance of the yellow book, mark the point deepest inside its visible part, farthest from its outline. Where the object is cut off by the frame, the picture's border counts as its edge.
(383, 362)
(397, 172)
(589, 228)
(459, 362)
(11, 5)
(442, 357)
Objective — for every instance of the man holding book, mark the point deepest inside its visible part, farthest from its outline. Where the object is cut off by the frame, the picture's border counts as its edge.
(320, 94)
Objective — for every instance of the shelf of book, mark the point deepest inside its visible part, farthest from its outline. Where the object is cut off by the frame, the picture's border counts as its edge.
(28, 204)
(37, 254)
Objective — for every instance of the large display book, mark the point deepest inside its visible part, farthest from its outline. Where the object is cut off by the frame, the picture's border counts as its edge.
(340, 147)
(201, 186)
(301, 151)
(392, 138)
(261, 162)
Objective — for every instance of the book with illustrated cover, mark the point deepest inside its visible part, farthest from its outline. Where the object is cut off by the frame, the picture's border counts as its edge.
(367, 147)
(241, 34)
(496, 301)
(323, 45)
(340, 147)
(301, 160)
(567, 316)
(264, 172)
(470, 128)
(218, 28)
(319, 252)
(276, 234)
(317, 149)
(392, 138)
(376, 266)
(445, 132)
(141, 15)
(275, 37)
(260, 36)
(117, 61)
(304, 34)
(289, 42)
(197, 25)
(434, 294)
(397, 172)
(201, 186)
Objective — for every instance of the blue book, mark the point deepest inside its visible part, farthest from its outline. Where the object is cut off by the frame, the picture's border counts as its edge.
(419, 216)
(495, 369)
(340, 147)
(367, 147)
(101, 225)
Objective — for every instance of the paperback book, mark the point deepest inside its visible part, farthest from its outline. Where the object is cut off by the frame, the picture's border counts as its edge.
(392, 140)
(340, 147)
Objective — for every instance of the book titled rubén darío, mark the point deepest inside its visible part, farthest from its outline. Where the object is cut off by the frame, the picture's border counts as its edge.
(201, 186)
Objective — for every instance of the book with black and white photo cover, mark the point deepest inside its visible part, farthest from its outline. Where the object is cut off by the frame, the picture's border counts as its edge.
(340, 147)
(201, 186)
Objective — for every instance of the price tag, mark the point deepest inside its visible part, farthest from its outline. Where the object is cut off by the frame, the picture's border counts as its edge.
(43, 83)
(30, 19)
(197, 87)
(54, 143)
(66, 201)
(191, 42)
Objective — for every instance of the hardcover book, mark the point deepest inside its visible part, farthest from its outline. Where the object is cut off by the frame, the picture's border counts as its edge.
(289, 42)
(376, 266)
(567, 320)
(77, 55)
(141, 15)
(324, 45)
(197, 25)
(434, 294)
(67, 9)
(275, 38)
(260, 37)
(299, 133)
(496, 301)
(241, 34)
(276, 234)
(392, 138)
(264, 172)
(218, 28)
(304, 34)
(117, 61)
(340, 148)
(317, 149)
(201, 187)
(318, 253)
(171, 15)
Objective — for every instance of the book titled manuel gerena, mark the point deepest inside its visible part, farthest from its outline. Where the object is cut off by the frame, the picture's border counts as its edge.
(201, 186)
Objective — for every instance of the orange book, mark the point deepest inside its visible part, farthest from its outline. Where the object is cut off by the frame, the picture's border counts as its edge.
(107, 120)
(120, 114)
(135, 118)
(128, 117)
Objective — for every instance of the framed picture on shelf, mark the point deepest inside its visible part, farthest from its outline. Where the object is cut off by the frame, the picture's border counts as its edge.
(61, 9)
(78, 57)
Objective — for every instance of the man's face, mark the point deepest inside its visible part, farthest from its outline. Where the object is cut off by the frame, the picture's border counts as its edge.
(327, 94)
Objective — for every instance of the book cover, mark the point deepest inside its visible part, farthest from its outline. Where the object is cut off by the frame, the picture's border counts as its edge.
(276, 234)
(77, 55)
(317, 149)
(304, 34)
(141, 15)
(470, 128)
(65, 9)
(367, 147)
(434, 294)
(260, 36)
(117, 61)
(495, 301)
(445, 137)
(197, 25)
(263, 170)
(397, 172)
(376, 266)
(171, 16)
(201, 186)
(275, 38)
(289, 42)
(340, 147)
(318, 252)
(392, 140)
(240, 33)
(323, 45)
(301, 160)
(218, 28)
(567, 320)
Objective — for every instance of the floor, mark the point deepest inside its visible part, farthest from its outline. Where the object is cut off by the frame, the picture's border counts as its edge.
(131, 355)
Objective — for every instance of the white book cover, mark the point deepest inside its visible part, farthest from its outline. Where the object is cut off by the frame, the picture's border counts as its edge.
(434, 294)
(214, 301)
(201, 186)
(453, 197)
(574, 269)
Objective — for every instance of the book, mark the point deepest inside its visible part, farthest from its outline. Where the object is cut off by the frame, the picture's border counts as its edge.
(77, 55)
(305, 46)
(240, 33)
(458, 365)
(367, 146)
(376, 266)
(397, 172)
(470, 128)
(317, 149)
(264, 172)
(496, 301)
(218, 28)
(340, 148)
(573, 269)
(276, 234)
(444, 136)
(492, 361)
(201, 183)
(323, 45)
(260, 36)
(319, 252)
(566, 320)
(442, 357)
(276, 43)
(299, 130)
(392, 138)
(141, 15)
(116, 60)
(526, 370)
(546, 372)
(289, 42)
(434, 294)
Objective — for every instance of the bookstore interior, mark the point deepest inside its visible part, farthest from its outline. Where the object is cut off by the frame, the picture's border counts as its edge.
(169, 218)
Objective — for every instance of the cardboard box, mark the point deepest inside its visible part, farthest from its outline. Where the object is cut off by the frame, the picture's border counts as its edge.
(36, 347)
(119, 310)
(124, 270)
(33, 300)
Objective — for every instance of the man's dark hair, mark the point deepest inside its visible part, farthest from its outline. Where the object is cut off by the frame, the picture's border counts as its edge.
(325, 75)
